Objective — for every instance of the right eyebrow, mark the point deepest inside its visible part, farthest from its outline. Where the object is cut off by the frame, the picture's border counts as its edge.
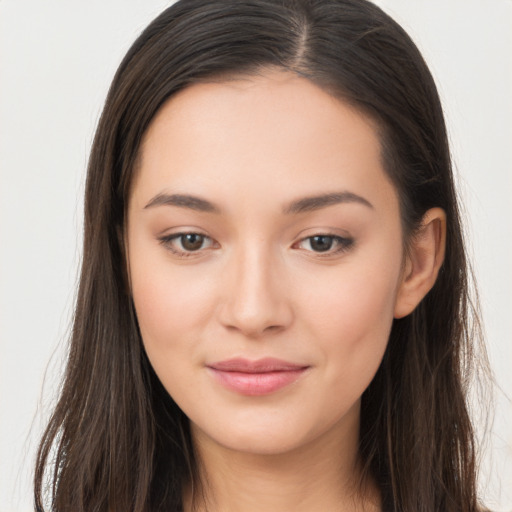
(183, 201)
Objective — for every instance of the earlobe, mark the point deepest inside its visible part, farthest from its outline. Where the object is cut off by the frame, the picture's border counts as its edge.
(423, 261)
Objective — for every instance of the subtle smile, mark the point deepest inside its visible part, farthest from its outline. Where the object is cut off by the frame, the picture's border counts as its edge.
(256, 378)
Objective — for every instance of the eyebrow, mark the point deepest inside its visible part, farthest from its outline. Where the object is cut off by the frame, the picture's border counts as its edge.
(305, 204)
(308, 204)
(183, 201)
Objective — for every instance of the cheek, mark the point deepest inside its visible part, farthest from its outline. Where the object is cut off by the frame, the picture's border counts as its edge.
(170, 319)
(164, 307)
(172, 309)
(352, 318)
(357, 300)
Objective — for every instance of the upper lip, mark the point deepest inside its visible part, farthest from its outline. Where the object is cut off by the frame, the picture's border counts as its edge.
(265, 365)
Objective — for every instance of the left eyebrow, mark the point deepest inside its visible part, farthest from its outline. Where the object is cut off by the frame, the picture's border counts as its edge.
(308, 204)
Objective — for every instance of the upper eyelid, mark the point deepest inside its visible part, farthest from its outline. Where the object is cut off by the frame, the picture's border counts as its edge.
(326, 232)
(170, 236)
(178, 230)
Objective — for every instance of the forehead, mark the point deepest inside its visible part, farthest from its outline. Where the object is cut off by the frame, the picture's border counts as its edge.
(267, 136)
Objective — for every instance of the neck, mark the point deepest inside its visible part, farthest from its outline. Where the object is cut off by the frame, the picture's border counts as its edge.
(321, 475)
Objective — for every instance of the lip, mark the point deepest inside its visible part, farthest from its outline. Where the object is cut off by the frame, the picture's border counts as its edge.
(256, 378)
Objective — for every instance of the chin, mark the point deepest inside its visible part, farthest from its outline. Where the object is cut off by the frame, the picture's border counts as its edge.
(272, 433)
(253, 441)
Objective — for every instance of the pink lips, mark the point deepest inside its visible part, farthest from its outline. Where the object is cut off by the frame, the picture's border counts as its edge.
(256, 378)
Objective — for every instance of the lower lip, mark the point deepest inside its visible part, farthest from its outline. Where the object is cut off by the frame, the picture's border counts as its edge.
(257, 384)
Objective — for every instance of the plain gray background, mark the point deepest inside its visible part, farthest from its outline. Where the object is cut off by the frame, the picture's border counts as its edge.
(57, 60)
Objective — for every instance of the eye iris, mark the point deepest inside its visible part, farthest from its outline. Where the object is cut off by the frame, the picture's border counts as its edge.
(321, 243)
(192, 241)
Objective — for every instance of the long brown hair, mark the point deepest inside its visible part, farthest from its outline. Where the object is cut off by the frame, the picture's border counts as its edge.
(116, 441)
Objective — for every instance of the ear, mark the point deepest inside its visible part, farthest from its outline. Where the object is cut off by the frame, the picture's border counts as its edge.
(422, 262)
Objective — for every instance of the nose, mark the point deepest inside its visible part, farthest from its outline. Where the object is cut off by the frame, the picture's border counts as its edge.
(255, 300)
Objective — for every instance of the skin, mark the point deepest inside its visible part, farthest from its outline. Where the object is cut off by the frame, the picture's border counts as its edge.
(257, 287)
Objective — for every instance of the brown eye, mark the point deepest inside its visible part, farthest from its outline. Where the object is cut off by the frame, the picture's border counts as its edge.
(185, 244)
(192, 241)
(321, 243)
(330, 244)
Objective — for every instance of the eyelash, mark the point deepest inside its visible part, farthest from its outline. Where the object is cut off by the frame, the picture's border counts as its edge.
(343, 244)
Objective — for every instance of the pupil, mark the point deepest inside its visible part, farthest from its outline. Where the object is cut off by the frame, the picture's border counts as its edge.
(192, 241)
(321, 243)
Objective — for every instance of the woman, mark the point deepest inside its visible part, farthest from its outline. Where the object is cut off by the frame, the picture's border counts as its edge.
(273, 309)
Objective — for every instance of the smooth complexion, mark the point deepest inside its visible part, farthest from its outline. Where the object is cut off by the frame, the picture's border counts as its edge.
(267, 263)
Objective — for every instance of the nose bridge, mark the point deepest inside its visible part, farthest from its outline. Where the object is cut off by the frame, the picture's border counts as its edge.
(256, 299)
(254, 271)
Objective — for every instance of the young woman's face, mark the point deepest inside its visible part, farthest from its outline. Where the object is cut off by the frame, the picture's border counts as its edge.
(265, 256)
